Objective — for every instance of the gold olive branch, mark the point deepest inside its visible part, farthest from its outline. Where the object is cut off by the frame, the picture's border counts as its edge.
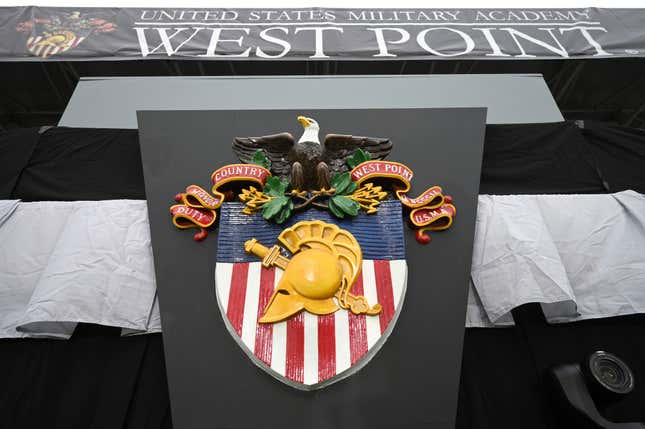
(253, 199)
(368, 197)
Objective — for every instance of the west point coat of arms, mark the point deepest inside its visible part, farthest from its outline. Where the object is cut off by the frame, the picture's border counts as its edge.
(59, 33)
(311, 273)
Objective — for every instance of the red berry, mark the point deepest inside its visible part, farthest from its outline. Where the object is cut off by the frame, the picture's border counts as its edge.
(178, 198)
(447, 199)
(200, 235)
(422, 237)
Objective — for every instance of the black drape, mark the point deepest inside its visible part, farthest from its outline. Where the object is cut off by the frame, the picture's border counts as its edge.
(71, 164)
(619, 153)
(537, 159)
(16, 147)
(98, 379)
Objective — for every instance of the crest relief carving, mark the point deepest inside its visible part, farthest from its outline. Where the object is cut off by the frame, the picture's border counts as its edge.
(310, 271)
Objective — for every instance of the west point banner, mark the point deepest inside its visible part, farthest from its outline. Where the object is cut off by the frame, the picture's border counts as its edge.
(77, 34)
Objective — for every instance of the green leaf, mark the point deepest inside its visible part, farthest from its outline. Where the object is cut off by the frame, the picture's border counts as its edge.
(361, 156)
(357, 158)
(336, 211)
(341, 182)
(351, 162)
(285, 212)
(274, 206)
(275, 187)
(284, 184)
(345, 204)
(351, 188)
(259, 158)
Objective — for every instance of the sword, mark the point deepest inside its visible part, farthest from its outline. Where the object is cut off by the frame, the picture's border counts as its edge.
(270, 257)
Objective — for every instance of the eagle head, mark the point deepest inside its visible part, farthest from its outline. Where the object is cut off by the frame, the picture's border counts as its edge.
(311, 130)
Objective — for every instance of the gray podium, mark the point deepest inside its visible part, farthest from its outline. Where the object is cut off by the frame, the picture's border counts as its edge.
(112, 102)
(413, 380)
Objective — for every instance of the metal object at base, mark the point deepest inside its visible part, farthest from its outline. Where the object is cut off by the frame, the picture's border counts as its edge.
(610, 372)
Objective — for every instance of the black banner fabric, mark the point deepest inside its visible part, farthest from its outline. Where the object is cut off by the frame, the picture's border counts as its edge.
(67, 164)
(77, 34)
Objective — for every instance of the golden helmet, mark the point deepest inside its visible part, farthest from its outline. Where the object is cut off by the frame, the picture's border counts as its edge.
(326, 260)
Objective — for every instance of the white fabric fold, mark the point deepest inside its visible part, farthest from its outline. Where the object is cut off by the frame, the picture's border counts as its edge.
(579, 256)
(6, 209)
(154, 322)
(515, 260)
(476, 316)
(67, 262)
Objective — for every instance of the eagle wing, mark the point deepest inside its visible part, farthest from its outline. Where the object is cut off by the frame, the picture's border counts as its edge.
(275, 147)
(340, 146)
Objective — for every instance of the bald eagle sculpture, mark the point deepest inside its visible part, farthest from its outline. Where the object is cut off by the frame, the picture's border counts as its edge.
(306, 163)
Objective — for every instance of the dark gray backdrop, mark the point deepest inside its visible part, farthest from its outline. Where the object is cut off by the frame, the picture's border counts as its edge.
(413, 381)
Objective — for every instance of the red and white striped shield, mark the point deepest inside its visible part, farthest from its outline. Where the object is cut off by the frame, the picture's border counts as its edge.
(44, 46)
(310, 351)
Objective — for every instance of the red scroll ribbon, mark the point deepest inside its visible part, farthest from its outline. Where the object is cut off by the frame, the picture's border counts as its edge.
(225, 176)
(430, 211)
(198, 207)
(197, 197)
(196, 211)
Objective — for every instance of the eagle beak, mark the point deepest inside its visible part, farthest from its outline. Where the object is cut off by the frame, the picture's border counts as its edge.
(304, 121)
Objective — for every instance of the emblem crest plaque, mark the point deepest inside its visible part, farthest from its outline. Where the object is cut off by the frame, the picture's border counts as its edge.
(59, 33)
(310, 272)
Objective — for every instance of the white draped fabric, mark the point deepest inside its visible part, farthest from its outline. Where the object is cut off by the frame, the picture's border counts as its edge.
(580, 256)
(67, 262)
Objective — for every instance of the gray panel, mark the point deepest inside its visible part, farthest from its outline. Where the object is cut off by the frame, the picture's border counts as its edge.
(113, 102)
(413, 381)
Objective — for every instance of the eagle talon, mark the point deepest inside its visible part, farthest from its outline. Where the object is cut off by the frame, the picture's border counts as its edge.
(324, 191)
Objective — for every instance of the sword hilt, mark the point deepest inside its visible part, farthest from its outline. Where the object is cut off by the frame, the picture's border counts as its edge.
(270, 257)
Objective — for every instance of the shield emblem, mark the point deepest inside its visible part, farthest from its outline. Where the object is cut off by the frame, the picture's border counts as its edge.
(311, 274)
(45, 46)
(308, 350)
(62, 32)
